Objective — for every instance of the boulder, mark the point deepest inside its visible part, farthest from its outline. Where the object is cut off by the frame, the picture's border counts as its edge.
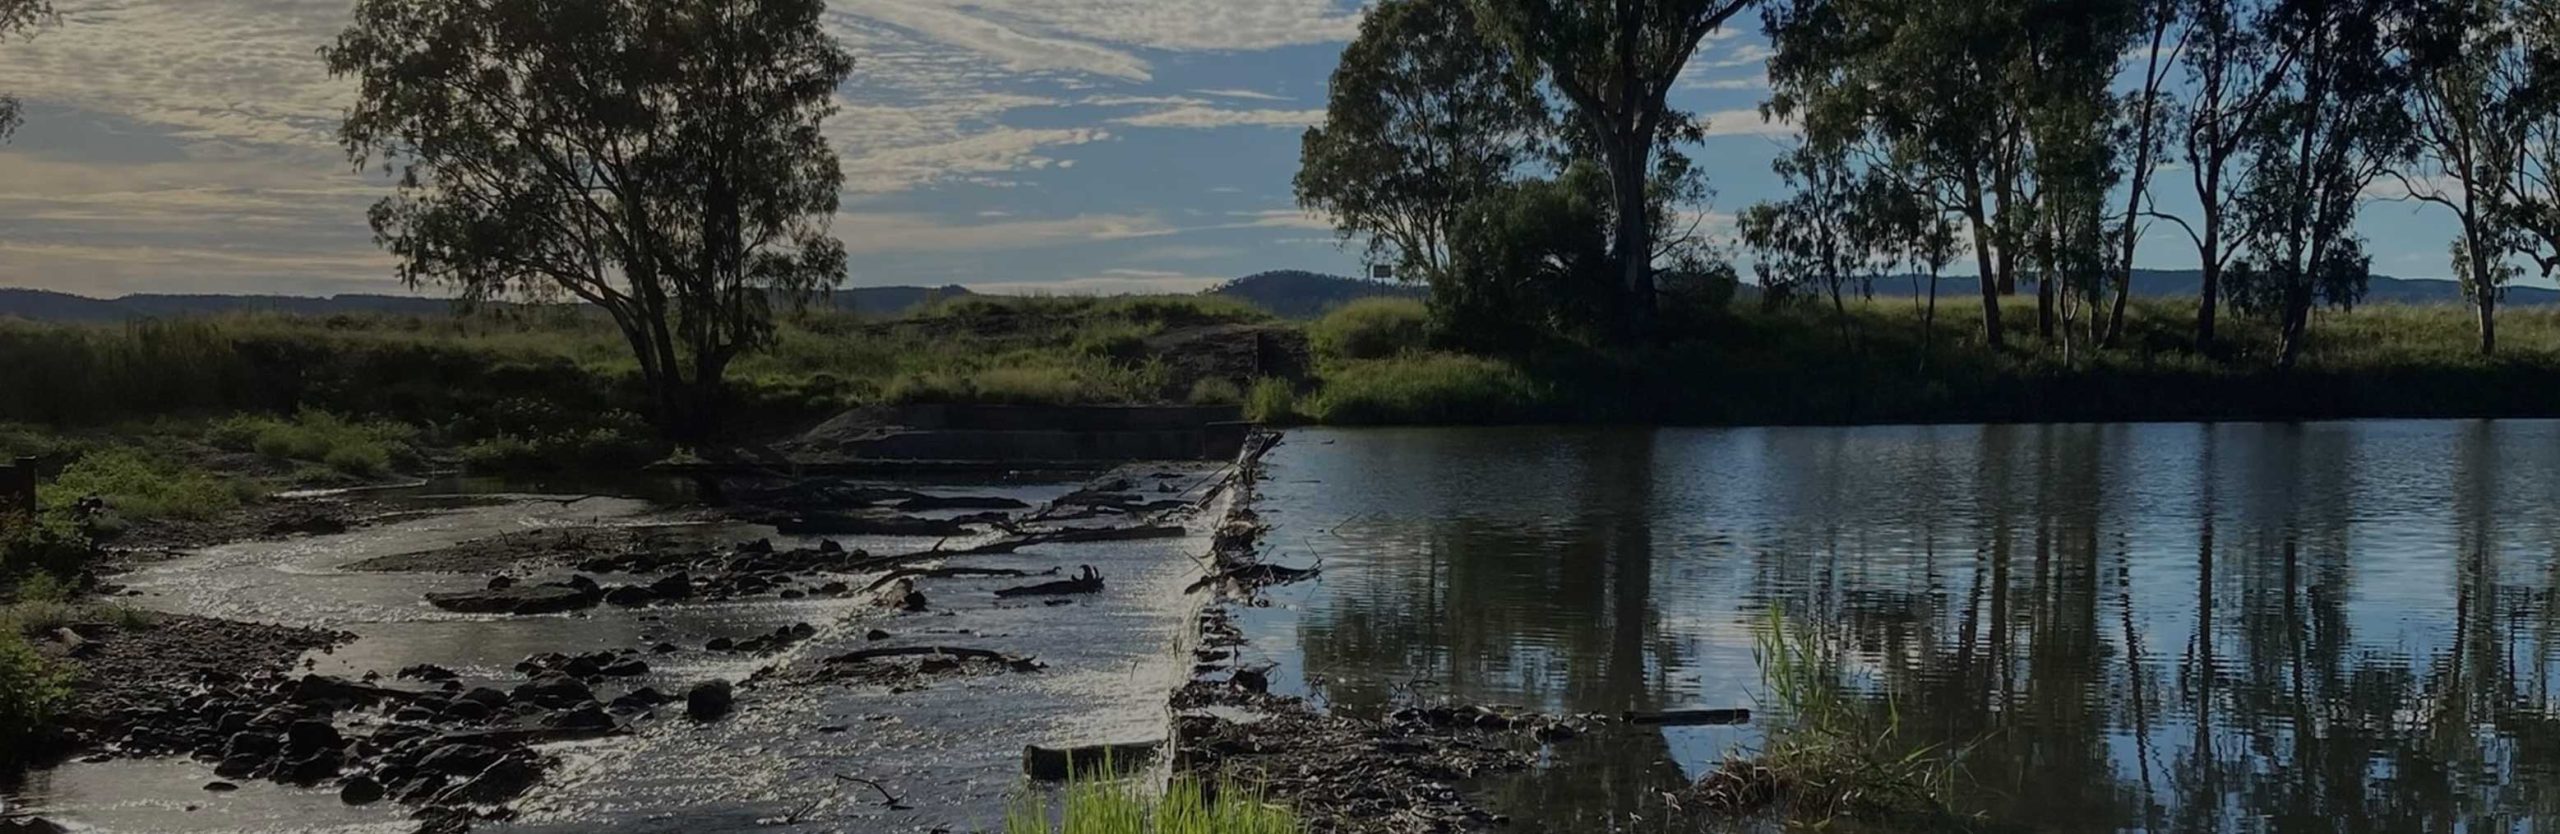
(361, 790)
(555, 691)
(710, 700)
(676, 585)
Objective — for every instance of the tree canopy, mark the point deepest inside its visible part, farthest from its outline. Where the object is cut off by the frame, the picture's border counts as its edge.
(16, 17)
(661, 160)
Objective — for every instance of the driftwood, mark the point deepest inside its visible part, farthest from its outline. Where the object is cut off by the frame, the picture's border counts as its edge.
(960, 502)
(1690, 717)
(949, 573)
(1086, 581)
(842, 524)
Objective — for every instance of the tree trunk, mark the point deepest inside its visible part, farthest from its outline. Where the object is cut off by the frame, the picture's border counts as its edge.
(1991, 334)
(2297, 325)
(1633, 239)
(2209, 293)
(2044, 306)
(2488, 308)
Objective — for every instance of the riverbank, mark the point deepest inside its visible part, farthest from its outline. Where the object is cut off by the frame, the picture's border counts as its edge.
(553, 389)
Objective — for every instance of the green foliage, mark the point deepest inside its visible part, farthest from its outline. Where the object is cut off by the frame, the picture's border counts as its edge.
(1088, 807)
(137, 487)
(665, 164)
(33, 691)
(36, 553)
(1429, 388)
(1425, 116)
(1530, 266)
(1371, 328)
(1832, 751)
(1272, 401)
(1215, 391)
(365, 449)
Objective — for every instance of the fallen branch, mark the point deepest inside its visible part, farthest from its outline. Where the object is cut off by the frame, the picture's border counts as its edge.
(950, 573)
(887, 799)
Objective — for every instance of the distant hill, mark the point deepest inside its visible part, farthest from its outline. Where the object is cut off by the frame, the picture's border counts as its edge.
(2184, 283)
(48, 305)
(1302, 295)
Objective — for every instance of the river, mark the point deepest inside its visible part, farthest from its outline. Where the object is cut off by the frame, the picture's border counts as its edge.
(2138, 627)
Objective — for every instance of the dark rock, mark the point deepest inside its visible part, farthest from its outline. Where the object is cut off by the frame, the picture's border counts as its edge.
(709, 700)
(589, 718)
(875, 634)
(505, 780)
(624, 668)
(360, 790)
(428, 672)
(484, 696)
(663, 648)
(835, 589)
(307, 736)
(221, 787)
(459, 759)
(585, 584)
(676, 585)
(313, 769)
(629, 596)
(257, 745)
(555, 691)
(719, 644)
(31, 825)
(540, 599)
(467, 711)
(501, 583)
(239, 767)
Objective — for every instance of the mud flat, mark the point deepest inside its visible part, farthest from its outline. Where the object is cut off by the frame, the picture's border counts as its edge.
(708, 677)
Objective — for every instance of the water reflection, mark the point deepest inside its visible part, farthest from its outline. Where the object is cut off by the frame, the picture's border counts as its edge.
(2328, 627)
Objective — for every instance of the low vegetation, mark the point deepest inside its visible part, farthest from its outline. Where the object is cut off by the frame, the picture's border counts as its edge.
(1832, 752)
(1121, 808)
(33, 691)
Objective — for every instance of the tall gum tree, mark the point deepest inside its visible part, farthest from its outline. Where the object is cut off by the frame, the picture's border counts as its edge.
(1425, 115)
(660, 160)
(1615, 61)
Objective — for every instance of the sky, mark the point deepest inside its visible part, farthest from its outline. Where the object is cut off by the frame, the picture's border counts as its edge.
(1069, 146)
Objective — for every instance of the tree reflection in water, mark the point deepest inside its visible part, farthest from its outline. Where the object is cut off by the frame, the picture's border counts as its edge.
(2327, 627)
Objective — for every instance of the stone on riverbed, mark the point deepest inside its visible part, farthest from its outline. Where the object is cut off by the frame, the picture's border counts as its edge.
(536, 599)
(709, 700)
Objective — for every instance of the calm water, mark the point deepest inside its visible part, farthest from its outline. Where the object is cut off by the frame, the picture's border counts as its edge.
(2325, 627)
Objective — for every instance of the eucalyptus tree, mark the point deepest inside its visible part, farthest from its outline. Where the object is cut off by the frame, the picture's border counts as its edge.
(1614, 62)
(2470, 114)
(1922, 87)
(1817, 239)
(661, 160)
(2233, 69)
(2335, 124)
(18, 17)
(2533, 187)
(2065, 97)
(2146, 111)
(1425, 115)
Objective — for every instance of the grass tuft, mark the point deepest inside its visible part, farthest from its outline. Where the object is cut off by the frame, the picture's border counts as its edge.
(1187, 807)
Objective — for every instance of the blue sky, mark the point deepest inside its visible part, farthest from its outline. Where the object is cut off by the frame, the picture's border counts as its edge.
(1007, 145)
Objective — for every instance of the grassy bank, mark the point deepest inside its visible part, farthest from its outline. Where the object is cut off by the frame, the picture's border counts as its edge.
(1881, 365)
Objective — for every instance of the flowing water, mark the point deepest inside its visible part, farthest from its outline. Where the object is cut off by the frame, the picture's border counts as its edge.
(2157, 627)
(950, 751)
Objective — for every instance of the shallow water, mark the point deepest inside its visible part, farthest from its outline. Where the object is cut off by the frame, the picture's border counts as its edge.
(2157, 627)
(950, 751)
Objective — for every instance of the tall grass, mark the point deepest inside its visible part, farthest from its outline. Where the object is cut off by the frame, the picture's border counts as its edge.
(364, 448)
(1187, 807)
(1831, 751)
(1429, 388)
(137, 486)
(1370, 328)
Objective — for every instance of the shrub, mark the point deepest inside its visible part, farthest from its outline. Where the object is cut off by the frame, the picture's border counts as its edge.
(1215, 391)
(137, 487)
(33, 691)
(1272, 401)
(1371, 328)
(1428, 388)
(367, 449)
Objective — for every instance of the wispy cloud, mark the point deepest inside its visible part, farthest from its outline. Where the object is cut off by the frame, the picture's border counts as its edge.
(1249, 95)
(1196, 118)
